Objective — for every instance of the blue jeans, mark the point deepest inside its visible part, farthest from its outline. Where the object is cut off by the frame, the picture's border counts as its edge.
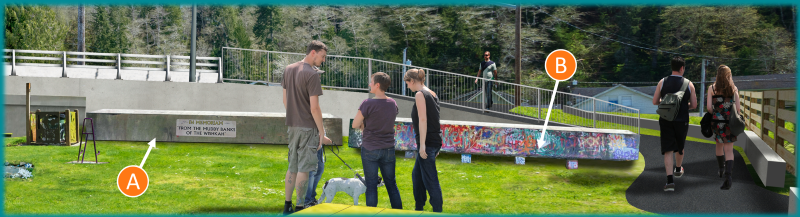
(426, 181)
(488, 92)
(384, 160)
(313, 179)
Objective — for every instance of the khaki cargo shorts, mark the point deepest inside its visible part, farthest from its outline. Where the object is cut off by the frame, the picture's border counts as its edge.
(303, 143)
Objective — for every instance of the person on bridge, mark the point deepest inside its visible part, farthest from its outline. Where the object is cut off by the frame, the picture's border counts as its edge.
(673, 133)
(376, 118)
(722, 96)
(425, 118)
(489, 70)
(301, 90)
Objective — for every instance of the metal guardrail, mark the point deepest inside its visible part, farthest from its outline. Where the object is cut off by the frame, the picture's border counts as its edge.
(352, 73)
(67, 59)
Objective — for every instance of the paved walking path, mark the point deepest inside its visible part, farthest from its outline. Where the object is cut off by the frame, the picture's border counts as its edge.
(698, 190)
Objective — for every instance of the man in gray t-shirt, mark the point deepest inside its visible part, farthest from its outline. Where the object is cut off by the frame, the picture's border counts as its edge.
(301, 90)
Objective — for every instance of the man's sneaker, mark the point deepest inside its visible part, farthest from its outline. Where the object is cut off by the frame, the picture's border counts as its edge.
(312, 203)
(669, 187)
(678, 174)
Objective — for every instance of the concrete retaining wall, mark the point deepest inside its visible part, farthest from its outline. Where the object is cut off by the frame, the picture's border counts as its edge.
(182, 96)
(792, 200)
(155, 95)
(769, 166)
(111, 74)
(250, 127)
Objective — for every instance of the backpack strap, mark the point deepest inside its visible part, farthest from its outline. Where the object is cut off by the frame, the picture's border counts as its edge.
(685, 84)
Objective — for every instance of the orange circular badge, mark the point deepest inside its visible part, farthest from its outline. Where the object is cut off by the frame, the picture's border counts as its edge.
(132, 181)
(560, 65)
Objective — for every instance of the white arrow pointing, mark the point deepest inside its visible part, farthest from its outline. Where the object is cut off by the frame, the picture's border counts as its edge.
(540, 143)
(152, 144)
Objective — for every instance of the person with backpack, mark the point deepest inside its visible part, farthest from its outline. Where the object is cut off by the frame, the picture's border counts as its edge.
(674, 97)
(489, 71)
(722, 96)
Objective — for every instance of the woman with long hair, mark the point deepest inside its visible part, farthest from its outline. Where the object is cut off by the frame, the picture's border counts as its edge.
(425, 118)
(723, 97)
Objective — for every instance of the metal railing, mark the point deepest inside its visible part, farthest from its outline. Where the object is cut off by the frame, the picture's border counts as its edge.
(118, 61)
(524, 102)
(352, 73)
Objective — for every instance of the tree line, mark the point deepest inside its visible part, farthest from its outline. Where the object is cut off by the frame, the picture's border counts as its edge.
(619, 44)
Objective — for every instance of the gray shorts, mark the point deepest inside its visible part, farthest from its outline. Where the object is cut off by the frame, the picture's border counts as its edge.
(303, 143)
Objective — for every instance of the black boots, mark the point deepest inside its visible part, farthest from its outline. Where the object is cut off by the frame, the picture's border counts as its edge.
(288, 208)
(728, 180)
(721, 162)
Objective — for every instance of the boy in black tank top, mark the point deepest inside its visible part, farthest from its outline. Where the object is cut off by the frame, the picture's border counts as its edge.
(673, 133)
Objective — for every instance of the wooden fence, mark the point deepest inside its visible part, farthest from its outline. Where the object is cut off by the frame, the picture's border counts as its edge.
(767, 113)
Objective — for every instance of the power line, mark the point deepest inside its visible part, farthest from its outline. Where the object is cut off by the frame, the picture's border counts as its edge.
(655, 49)
(618, 36)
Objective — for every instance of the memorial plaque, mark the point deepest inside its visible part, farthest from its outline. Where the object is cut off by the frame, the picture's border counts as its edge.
(207, 128)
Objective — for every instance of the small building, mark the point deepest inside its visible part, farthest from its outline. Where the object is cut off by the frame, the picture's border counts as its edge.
(635, 97)
(642, 97)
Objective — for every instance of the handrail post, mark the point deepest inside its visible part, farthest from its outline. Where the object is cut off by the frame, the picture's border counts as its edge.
(64, 65)
(13, 62)
(539, 103)
(268, 68)
(483, 95)
(166, 76)
(639, 122)
(119, 66)
(219, 65)
(369, 72)
(221, 56)
(428, 79)
(594, 113)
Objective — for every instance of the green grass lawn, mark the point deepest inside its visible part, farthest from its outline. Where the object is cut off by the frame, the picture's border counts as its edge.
(692, 119)
(559, 116)
(208, 178)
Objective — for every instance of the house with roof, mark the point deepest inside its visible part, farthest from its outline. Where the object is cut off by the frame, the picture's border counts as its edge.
(635, 97)
(642, 97)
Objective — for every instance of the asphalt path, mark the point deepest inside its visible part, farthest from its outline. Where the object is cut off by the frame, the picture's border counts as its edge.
(698, 190)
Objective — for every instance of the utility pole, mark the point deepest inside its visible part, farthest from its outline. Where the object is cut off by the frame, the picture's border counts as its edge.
(702, 87)
(518, 57)
(81, 31)
(404, 70)
(193, 54)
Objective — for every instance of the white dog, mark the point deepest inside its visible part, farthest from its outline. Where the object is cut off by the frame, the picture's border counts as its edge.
(353, 187)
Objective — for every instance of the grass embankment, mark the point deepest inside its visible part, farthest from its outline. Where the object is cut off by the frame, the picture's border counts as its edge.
(189, 178)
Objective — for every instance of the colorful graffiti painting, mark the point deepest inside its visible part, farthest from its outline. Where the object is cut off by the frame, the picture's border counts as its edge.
(520, 142)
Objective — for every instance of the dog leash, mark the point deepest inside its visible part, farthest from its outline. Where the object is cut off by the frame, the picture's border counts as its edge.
(345, 163)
